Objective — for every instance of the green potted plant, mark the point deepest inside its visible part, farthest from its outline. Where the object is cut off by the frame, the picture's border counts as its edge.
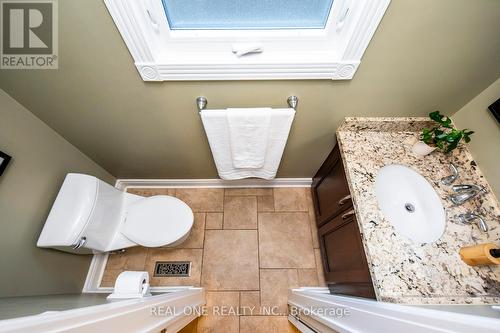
(444, 136)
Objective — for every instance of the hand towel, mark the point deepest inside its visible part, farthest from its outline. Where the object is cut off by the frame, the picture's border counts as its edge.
(248, 134)
(217, 131)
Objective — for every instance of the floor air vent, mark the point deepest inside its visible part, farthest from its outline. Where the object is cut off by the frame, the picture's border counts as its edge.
(172, 268)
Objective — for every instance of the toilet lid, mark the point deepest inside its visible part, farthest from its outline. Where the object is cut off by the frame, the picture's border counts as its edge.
(157, 221)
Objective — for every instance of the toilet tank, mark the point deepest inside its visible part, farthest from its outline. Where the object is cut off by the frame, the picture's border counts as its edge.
(84, 207)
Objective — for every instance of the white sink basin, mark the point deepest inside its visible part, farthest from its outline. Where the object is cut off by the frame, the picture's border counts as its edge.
(410, 203)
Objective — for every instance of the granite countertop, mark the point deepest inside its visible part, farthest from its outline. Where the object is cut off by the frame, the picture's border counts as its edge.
(403, 271)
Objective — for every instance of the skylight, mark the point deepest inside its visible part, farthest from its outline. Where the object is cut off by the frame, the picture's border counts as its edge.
(246, 39)
(246, 14)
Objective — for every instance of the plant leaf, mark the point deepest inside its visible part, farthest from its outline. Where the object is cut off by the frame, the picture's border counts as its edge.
(452, 146)
(436, 116)
(444, 136)
(446, 122)
(454, 135)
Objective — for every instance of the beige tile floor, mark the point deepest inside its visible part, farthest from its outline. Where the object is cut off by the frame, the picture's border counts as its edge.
(247, 247)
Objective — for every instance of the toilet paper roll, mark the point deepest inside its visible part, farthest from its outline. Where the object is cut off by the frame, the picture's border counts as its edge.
(130, 282)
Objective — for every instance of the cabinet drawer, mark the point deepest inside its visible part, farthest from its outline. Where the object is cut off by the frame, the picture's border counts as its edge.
(330, 189)
(344, 255)
(345, 216)
(344, 260)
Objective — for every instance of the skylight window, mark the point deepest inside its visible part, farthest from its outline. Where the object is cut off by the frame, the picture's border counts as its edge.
(246, 39)
(247, 15)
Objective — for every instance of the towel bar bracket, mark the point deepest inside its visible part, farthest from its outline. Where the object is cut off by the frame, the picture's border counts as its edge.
(293, 101)
(201, 102)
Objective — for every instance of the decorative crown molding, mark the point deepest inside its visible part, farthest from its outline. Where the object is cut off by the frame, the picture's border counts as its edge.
(163, 55)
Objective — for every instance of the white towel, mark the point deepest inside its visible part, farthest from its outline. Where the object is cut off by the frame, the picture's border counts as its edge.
(216, 128)
(248, 133)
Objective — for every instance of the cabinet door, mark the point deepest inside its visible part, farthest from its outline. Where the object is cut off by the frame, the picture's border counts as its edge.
(329, 188)
(344, 260)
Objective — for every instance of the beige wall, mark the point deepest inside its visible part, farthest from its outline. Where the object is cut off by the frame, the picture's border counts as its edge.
(425, 55)
(485, 141)
(40, 160)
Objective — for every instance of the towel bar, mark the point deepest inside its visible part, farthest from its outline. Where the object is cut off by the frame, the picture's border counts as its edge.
(202, 102)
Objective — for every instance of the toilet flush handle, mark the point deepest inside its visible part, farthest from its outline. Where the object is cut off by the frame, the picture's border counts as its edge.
(80, 243)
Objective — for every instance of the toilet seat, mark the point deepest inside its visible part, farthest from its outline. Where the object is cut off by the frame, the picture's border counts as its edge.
(157, 221)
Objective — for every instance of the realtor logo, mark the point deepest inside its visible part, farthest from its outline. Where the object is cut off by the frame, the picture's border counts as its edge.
(29, 34)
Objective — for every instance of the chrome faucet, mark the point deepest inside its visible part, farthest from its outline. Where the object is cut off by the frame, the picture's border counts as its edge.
(448, 180)
(465, 192)
(467, 218)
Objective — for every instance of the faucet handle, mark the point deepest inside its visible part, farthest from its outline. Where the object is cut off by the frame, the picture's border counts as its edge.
(448, 180)
(457, 188)
(467, 218)
(464, 187)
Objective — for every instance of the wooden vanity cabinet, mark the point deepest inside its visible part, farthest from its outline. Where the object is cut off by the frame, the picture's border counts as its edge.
(344, 260)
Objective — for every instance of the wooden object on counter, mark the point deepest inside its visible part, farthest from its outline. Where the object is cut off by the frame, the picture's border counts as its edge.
(479, 254)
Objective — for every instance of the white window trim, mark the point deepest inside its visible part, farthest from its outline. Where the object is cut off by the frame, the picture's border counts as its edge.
(161, 54)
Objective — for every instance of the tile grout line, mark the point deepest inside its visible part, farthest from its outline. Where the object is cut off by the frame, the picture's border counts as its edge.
(260, 293)
(239, 292)
(223, 207)
(258, 255)
(203, 251)
(311, 229)
(239, 317)
(257, 220)
(288, 267)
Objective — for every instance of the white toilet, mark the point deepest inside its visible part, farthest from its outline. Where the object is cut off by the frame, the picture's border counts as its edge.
(89, 215)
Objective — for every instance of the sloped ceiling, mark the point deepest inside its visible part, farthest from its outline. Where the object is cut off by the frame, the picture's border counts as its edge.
(426, 55)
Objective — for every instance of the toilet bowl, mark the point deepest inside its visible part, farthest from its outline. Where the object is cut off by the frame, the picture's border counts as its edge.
(90, 215)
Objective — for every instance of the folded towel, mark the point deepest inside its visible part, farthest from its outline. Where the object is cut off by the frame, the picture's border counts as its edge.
(217, 130)
(248, 133)
(215, 124)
